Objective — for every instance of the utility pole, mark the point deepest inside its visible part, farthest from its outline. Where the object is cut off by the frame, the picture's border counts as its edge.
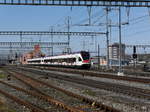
(11, 52)
(52, 40)
(98, 57)
(107, 37)
(120, 45)
(89, 8)
(68, 49)
(21, 43)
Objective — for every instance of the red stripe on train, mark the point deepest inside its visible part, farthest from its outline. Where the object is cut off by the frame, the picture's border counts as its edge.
(86, 61)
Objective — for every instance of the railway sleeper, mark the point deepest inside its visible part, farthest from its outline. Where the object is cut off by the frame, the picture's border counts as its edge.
(49, 99)
(90, 102)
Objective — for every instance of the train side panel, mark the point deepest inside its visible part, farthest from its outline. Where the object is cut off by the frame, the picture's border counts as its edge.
(78, 60)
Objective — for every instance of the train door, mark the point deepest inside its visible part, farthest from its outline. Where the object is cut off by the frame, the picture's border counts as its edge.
(42, 61)
(79, 61)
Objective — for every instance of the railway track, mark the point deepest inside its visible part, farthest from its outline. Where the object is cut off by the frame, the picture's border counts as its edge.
(95, 74)
(42, 96)
(122, 89)
(27, 104)
(91, 103)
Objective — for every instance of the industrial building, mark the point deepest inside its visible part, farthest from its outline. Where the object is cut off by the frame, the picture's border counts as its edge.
(36, 53)
(114, 51)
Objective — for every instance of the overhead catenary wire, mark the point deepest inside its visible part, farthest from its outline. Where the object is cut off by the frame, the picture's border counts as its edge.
(135, 21)
(82, 21)
(62, 19)
(139, 32)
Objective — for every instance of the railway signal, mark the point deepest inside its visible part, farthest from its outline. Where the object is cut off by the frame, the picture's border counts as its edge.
(134, 53)
(134, 56)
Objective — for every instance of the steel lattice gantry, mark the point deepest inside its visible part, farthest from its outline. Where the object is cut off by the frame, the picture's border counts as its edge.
(50, 33)
(19, 48)
(30, 45)
(126, 3)
(138, 46)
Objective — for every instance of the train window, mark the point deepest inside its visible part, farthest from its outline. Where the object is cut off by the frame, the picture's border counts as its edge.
(59, 60)
(85, 55)
(65, 60)
(36, 61)
(74, 59)
(68, 60)
(79, 59)
(54, 60)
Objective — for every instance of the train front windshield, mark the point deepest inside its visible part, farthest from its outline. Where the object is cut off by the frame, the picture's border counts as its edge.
(85, 55)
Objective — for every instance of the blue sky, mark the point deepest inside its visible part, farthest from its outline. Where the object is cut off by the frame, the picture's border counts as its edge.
(41, 18)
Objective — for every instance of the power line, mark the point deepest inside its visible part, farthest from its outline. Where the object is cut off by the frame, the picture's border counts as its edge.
(139, 32)
(98, 19)
(64, 26)
(93, 16)
(140, 19)
(83, 21)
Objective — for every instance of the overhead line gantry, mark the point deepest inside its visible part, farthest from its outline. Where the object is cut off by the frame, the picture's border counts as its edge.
(30, 44)
(18, 48)
(138, 46)
(124, 3)
(51, 33)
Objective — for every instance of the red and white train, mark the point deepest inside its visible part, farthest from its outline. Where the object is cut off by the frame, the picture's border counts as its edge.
(75, 60)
